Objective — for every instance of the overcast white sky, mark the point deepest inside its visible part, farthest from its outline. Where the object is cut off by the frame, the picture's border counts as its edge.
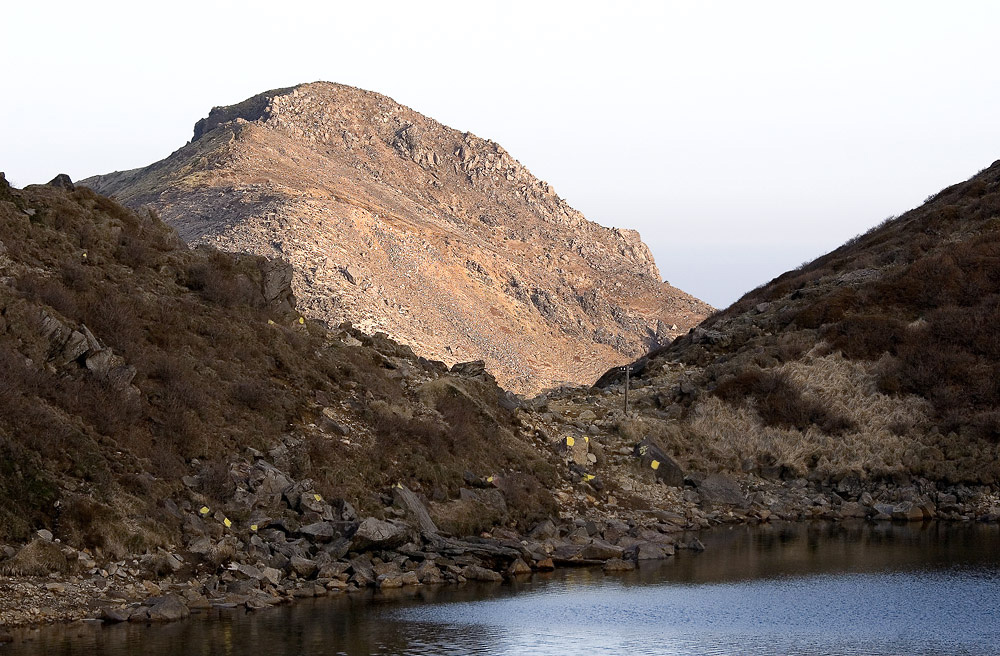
(740, 138)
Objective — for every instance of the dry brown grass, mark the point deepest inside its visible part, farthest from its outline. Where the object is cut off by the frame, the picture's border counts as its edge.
(874, 447)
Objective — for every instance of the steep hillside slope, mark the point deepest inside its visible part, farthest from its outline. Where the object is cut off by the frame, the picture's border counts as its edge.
(135, 372)
(875, 364)
(399, 224)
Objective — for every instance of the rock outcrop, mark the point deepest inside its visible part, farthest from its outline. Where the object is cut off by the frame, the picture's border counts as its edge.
(399, 224)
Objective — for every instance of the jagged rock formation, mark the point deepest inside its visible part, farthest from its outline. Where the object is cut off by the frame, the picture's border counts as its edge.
(399, 224)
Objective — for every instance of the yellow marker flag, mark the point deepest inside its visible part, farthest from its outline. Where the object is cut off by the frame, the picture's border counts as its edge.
(270, 322)
(489, 479)
(227, 522)
(317, 497)
(302, 320)
(204, 510)
(655, 464)
(586, 439)
(253, 527)
(570, 441)
(589, 477)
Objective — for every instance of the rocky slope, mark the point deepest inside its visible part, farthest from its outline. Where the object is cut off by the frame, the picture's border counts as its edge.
(869, 374)
(174, 436)
(438, 238)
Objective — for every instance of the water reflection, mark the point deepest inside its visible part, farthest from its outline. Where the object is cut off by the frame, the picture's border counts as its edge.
(782, 589)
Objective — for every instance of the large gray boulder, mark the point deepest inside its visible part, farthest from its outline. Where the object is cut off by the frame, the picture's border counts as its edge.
(320, 531)
(600, 550)
(719, 489)
(653, 458)
(167, 608)
(376, 534)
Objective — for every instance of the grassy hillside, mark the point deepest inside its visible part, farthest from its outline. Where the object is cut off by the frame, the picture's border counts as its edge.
(877, 362)
(130, 363)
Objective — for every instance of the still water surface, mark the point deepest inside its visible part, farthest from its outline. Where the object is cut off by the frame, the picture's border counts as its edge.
(817, 589)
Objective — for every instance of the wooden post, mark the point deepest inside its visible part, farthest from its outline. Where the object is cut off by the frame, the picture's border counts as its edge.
(628, 370)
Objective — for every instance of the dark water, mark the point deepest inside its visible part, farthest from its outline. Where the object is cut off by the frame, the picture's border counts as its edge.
(818, 589)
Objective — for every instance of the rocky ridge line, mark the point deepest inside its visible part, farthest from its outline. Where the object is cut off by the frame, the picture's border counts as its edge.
(396, 223)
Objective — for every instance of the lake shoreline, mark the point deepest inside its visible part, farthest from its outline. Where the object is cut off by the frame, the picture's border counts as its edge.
(125, 593)
(783, 558)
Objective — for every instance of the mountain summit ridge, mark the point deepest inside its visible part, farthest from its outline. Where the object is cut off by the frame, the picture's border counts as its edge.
(399, 224)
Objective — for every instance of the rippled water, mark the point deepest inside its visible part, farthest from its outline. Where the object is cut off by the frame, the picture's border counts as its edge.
(821, 589)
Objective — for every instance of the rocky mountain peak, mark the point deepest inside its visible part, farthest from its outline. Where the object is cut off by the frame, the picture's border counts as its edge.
(402, 225)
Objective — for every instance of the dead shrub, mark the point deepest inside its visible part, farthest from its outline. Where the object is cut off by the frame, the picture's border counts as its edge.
(779, 402)
(528, 501)
(464, 517)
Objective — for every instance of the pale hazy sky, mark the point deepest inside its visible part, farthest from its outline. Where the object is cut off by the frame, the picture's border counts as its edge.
(740, 138)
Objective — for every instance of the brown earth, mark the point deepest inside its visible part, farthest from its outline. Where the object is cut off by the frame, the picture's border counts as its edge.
(399, 224)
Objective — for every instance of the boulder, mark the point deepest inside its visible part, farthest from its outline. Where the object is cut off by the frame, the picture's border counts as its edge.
(276, 284)
(313, 502)
(853, 509)
(344, 511)
(600, 550)
(363, 572)
(352, 274)
(272, 575)
(544, 530)
(470, 369)
(320, 531)
(376, 534)
(62, 181)
(387, 568)
(333, 569)
(304, 567)
(339, 547)
(567, 552)
(294, 493)
(664, 468)
(576, 448)
(428, 572)
(476, 573)
(115, 615)
(618, 565)
(518, 568)
(653, 551)
(167, 608)
(270, 482)
(907, 511)
(249, 571)
(545, 565)
(719, 489)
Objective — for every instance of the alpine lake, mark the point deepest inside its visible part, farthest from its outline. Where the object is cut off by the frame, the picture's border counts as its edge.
(805, 588)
